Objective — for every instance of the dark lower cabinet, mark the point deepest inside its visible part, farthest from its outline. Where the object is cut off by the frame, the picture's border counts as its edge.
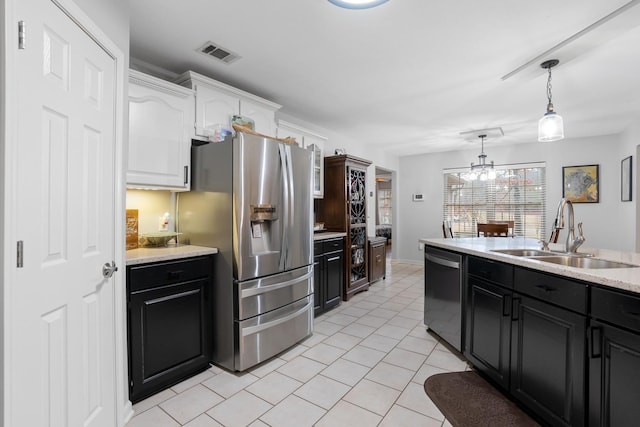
(521, 337)
(377, 258)
(614, 359)
(169, 323)
(489, 329)
(548, 361)
(328, 279)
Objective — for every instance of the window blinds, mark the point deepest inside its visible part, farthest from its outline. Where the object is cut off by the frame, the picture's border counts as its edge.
(517, 194)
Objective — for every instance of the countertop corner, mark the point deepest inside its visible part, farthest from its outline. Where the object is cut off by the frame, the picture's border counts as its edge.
(166, 253)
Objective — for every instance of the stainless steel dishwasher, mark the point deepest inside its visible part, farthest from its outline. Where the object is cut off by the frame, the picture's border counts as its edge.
(443, 294)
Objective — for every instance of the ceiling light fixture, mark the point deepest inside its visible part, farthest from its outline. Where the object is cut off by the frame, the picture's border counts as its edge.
(357, 4)
(482, 170)
(550, 126)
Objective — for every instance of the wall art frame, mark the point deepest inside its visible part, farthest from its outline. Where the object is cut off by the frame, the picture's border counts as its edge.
(626, 181)
(581, 184)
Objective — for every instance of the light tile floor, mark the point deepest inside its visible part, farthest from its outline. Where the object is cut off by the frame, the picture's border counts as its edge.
(364, 365)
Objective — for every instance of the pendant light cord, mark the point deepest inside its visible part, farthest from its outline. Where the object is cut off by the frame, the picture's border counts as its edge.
(549, 85)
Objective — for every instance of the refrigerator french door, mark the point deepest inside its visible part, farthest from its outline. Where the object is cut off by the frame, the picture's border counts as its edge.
(252, 199)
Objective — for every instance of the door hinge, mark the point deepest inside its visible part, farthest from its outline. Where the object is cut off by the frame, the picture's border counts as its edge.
(21, 35)
(19, 258)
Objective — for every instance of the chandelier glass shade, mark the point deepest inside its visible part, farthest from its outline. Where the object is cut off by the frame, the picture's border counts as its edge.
(482, 170)
(551, 125)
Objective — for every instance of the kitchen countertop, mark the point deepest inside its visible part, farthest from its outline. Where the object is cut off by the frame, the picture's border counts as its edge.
(324, 235)
(166, 253)
(620, 278)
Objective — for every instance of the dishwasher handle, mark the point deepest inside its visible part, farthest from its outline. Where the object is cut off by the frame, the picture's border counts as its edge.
(442, 261)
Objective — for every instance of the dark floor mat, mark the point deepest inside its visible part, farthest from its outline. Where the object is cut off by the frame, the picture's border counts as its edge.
(467, 400)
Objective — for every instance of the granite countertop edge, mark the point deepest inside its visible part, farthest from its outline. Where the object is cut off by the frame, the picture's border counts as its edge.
(328, 235)
(167, 253)
(619, 278)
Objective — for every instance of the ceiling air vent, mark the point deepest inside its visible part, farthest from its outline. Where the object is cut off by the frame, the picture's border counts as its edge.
(219, 53)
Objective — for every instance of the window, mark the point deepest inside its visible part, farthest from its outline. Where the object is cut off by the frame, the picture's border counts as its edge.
(517, 194)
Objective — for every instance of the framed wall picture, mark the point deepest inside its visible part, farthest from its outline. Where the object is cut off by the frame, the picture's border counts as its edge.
(625, 179)
(580, 184)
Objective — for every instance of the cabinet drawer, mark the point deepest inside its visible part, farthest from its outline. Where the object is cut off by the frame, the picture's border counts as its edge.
(158, 274)
(333, 245)
(616, 307)
(318, 247)
(553, 289)
(493, 271)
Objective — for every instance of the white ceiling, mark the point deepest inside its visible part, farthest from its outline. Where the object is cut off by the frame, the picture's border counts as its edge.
(410, 75)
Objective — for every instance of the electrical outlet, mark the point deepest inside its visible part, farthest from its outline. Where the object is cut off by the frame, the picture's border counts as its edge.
(420, 246)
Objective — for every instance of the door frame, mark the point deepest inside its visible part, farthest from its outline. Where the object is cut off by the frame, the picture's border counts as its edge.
(9, 191)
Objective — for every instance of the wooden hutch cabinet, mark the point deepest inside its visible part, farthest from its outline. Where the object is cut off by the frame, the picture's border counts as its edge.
(344, 208)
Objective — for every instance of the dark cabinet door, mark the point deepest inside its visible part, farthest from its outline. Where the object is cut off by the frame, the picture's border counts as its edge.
(488, 322)
(169, 323)
(334, 278)
(169, 336)
(548, 361)
(614, 376)
(318, 284)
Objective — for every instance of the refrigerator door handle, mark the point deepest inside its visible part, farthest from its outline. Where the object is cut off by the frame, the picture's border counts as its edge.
(291, 199)
(284, 163)
(261, 290)
(261, 327)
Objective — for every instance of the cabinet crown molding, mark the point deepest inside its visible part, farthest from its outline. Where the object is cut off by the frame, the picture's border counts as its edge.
(146, 80)
(192, 78)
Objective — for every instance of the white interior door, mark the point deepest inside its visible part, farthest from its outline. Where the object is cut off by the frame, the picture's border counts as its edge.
(61, 364)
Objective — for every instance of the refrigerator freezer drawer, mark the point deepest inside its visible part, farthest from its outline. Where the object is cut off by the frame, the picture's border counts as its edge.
(262, 295)
(265, 336)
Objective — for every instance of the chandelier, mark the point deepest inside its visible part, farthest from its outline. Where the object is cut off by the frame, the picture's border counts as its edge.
(550, 126)
(482, 170)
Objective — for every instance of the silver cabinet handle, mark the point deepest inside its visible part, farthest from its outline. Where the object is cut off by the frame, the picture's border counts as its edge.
(442, 261)
(109, 269)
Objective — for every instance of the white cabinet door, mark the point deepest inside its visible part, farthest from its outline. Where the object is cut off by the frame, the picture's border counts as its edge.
(213, 107)
(217, 103)
(263, 117)
(160, 128)
(316, 143)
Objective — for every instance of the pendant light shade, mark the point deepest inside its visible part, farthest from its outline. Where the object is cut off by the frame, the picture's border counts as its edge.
(550, 126)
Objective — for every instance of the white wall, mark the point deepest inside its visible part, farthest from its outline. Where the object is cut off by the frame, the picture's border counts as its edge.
(629, 214)
(607, 224)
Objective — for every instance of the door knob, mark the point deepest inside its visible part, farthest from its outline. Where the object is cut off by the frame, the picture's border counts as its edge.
(109, 269)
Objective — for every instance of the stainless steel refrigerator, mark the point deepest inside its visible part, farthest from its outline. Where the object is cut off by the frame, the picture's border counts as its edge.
(251, 197)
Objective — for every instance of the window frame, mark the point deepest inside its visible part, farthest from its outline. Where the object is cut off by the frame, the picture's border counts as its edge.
(517, 194)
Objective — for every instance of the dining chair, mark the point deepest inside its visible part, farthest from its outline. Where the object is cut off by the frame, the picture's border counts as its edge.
(446, 230)
(493, 230)
(511, 225)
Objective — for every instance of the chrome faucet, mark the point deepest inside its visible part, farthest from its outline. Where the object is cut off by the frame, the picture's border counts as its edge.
(573, 242)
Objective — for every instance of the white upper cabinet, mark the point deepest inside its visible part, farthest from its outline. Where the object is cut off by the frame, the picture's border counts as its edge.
(311, 141)
(161, 116)
(217, 103)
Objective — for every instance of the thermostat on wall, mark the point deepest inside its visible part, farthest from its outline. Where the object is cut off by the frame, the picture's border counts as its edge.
(419, 197)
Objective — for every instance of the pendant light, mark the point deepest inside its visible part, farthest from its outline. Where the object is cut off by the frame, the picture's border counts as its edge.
(357, 4)
(550, 126)
(482, 170)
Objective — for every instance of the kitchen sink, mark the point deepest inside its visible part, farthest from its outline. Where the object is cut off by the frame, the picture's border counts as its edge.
(524, 252)
(584, 262)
